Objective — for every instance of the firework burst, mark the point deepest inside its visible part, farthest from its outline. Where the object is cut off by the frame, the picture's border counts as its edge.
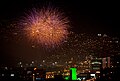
(47, 27)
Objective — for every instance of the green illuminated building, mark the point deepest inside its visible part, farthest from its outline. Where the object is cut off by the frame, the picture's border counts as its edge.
(73, 73)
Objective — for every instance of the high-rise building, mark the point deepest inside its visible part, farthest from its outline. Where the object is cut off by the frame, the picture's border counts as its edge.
(98, 63)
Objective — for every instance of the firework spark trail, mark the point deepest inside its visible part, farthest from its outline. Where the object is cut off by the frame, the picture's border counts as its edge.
(47, 27)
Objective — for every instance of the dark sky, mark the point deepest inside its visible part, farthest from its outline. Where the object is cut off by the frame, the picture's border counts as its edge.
(84, 16)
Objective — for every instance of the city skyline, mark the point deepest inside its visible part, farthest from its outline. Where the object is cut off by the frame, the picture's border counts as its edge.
(92, 19)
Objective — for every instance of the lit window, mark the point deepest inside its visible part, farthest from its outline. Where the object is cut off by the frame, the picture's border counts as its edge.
(12, 75)
(117, 62)
(3, 75)
(99, 34)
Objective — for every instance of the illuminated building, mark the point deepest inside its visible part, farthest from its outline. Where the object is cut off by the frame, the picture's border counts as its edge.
(39, 74)
(96, 64)
(49, 75)
(73, 74)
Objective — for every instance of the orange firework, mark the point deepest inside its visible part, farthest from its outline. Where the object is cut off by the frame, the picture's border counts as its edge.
(47, 27)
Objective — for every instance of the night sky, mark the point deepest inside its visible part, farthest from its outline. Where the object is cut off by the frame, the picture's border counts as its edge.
(85, 17)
